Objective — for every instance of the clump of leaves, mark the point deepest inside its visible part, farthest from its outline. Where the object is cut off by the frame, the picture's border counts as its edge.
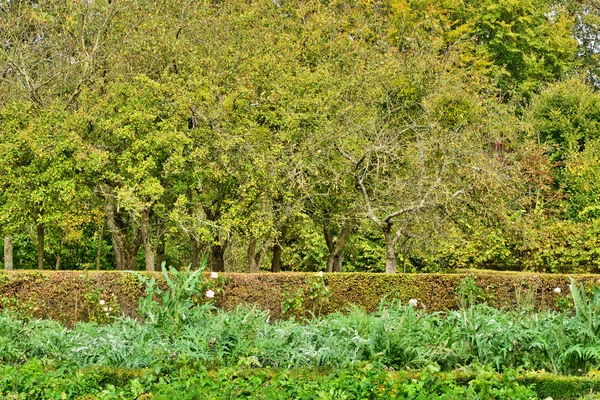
(309, 298)
(587, 309)
(469, 294)
(184, 290)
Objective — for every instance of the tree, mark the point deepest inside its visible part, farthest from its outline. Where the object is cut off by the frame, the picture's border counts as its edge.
(8, 253)
(138, 133)
(42, 164)
(566, 118)
(519, 44)
(50, 54)
(586, 30)
(426, 146)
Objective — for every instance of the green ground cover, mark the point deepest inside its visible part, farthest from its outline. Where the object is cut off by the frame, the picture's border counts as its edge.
(185, 346)
(37, 379)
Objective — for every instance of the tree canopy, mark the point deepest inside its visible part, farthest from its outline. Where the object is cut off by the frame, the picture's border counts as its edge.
(345, 135)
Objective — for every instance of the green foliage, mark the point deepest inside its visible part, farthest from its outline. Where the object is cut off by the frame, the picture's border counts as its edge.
(41, 380)
(543, 245)
(588, 309)
(243, 354)
(292, 302)
(23, 309)
(101, 308)
(523, 45)
(214, 129)
(185, 290)
(526, 298)
(364, 253)
(566, 116)
(46, 379)
(469, 294)
(397, 352)
(308, 299)
(397, 336)
(562, 387)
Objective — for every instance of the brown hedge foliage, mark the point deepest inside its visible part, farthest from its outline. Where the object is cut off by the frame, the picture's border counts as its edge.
(71, 296)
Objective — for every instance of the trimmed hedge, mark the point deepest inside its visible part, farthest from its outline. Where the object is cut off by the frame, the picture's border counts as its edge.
(94, 378)
(561, 387)
(71, 296)
(546, 385)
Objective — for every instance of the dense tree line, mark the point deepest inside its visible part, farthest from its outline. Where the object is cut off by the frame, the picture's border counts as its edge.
(300, 135)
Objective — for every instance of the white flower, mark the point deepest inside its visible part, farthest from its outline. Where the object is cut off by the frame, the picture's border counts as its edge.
(210, 294)
(320, 274)
(102, 302)
(413, 302)
(557, 290)
(214, 275)
(105, 308)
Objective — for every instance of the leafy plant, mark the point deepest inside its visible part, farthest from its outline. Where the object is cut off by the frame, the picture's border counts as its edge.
(587, 309)
(469, 294)
(101, 308)
(185, 289)
(311, 297)
(292, 302)
(526, 298)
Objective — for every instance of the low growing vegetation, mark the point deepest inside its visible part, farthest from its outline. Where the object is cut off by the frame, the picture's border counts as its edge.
(185, 345)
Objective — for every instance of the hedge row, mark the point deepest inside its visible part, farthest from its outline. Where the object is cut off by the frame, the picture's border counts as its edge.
(546, 385)
(92, 379)
(71, 296)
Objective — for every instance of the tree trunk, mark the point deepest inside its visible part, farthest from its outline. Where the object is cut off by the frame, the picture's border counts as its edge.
(149, 256)
(58, 256)
(196, 253)
(160, 251)
(149, 250)
(217, 257)
(125, 253)
(217, 250)
(40, 245)
(337, 263)
(334, 262)
(8, 253)
(261, 255)
(118, 241)
(130, 258)
(251, 255)
(390, 253)
(100, 243)
(278, 250)
(276, 261)
(335, 247)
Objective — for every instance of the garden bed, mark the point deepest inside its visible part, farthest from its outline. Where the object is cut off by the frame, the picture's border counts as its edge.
(72, 296)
